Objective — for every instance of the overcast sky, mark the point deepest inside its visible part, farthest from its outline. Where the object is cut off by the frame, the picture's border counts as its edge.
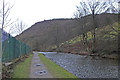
(32, 11)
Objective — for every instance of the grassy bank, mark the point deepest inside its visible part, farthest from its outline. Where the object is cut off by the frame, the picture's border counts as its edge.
(22, 70)
(54, 69)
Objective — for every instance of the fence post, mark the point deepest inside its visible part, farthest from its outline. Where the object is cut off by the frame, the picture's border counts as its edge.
(0, 54)
(20, 48)
(25, 48)
(9, 56)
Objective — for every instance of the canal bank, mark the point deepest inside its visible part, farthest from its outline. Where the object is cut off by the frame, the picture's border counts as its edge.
(84, 66)
(56, 70)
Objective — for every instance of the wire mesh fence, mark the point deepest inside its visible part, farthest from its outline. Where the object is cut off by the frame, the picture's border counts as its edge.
(13, 48)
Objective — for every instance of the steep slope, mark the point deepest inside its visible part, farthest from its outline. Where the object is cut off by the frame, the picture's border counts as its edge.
(46, 34)
(106, 43)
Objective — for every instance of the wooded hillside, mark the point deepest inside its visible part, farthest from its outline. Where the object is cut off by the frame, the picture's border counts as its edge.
(45, 35)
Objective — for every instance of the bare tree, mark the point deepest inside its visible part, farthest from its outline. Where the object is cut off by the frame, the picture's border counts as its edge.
(115, 10)
(4, 22)
(93, 7)
(111, 6)
(0, 55)
(81, 12)
(4, 14)
(19, 27)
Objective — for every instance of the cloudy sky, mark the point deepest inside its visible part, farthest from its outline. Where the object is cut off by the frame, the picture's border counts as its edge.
(32, 11)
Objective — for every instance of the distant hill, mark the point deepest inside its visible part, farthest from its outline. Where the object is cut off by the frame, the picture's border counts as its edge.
(46, 34)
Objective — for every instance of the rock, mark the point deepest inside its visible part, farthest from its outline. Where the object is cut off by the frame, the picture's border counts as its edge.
(7, 64)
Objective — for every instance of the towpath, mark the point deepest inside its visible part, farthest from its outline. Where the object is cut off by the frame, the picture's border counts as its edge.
(38, 69)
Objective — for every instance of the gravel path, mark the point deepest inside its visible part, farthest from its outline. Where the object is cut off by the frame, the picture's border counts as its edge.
(38, 70)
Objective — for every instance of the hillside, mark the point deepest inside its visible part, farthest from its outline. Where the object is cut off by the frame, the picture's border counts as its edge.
(45, 35)
(106, 43)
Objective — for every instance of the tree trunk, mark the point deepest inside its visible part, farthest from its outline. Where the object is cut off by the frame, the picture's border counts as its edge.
(83, 38)
(94, 34)
(20, 49)
(1, 54)
(86, 39)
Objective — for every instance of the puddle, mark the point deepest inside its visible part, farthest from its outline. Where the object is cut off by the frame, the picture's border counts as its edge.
(38, 65)
(40, 72)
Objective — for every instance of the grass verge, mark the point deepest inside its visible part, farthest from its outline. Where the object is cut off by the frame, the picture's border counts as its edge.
(22, 70)
(56, 70)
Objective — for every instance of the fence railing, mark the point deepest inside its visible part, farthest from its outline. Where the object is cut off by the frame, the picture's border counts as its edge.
(13, 48)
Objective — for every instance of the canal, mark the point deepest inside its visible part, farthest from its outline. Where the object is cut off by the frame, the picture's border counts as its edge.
(85, 66)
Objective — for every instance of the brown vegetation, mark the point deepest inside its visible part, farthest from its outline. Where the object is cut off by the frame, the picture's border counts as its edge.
(41, 35)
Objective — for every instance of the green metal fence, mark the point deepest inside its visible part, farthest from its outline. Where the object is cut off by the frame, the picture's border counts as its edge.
(13, 48)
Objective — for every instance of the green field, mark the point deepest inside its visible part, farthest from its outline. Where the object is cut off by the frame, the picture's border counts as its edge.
(54, 69)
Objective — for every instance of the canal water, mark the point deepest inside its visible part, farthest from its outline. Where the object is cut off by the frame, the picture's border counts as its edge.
(85, 66)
